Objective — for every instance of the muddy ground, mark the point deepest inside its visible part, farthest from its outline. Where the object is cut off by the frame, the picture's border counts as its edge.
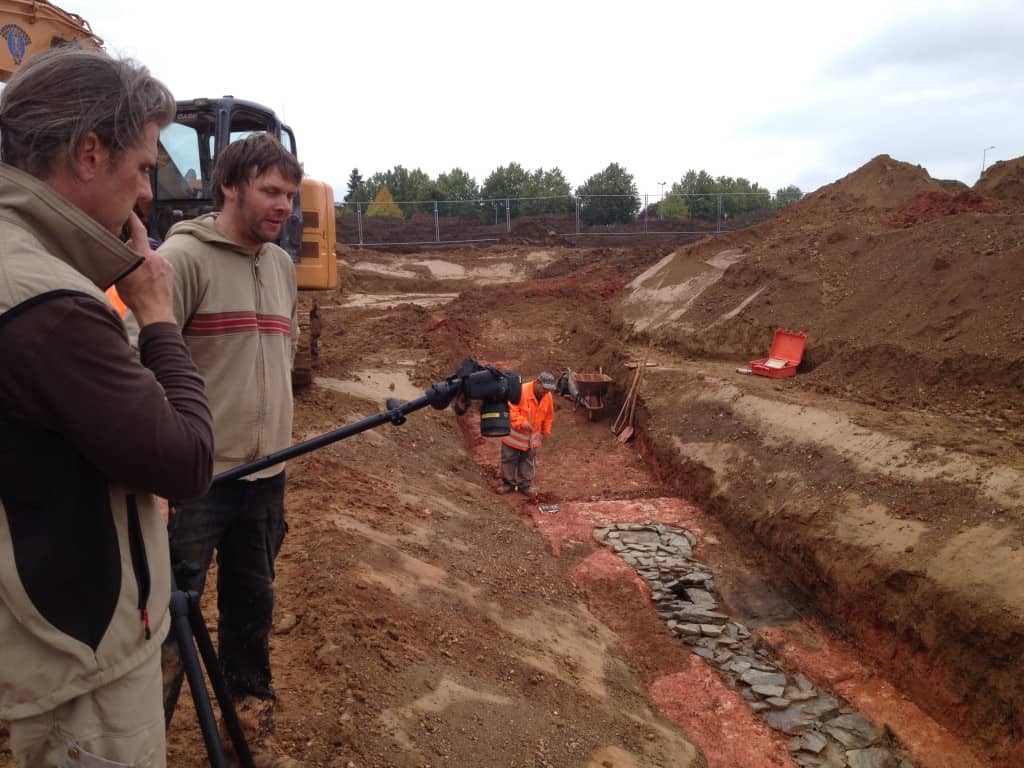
(863, 519)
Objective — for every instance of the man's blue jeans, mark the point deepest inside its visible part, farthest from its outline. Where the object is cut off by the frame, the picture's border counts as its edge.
(244, 522)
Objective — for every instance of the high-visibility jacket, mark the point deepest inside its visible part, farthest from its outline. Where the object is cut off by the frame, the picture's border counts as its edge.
(540, 415)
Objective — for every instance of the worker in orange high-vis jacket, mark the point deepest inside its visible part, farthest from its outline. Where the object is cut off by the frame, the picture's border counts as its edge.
(530, 419)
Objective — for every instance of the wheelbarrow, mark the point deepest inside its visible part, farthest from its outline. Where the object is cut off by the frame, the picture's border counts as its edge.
(589, 390)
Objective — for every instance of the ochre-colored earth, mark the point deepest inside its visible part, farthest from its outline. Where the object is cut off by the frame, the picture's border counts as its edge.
(864, 517)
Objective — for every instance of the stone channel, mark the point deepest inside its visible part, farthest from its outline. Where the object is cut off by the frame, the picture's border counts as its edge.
(825, 729)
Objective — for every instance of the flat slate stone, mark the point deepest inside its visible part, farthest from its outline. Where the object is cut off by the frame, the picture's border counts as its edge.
(696, 577)
(702, 616)
(700, 596)
(872, 758)
(795, 694)
(853, 731)
(739, 630)
(814, 742)
(791, 720)
(710, 630)
(777, 702)
(754, 677)
(704, 653)
(823, 706)
(737, 666)
(800, 716)
(802, 682)
(768, 691)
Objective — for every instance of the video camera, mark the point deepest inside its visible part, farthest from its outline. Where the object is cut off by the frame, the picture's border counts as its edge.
(472, 381)
(494, 389)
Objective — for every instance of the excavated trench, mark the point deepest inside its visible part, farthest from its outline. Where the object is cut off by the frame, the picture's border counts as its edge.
(768, 678)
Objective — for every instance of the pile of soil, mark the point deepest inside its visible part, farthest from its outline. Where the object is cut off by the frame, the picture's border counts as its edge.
(904, 316)
(929, 206)
(880, 183)
(1003, 181)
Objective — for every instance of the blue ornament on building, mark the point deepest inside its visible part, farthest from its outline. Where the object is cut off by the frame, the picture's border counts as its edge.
(17, 41)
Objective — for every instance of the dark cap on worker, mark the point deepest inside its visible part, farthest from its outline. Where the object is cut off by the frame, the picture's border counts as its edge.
(547, 380)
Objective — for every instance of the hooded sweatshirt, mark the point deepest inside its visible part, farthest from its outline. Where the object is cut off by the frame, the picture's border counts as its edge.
(238, 315)
(87, 433)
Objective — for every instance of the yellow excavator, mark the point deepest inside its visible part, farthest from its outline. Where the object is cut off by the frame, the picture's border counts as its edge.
(189, 147)
(29, 27)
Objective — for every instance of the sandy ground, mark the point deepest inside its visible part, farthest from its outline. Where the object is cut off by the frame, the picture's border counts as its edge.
(422, 620)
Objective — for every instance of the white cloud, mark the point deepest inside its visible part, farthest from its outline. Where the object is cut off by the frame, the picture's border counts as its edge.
(779, 93)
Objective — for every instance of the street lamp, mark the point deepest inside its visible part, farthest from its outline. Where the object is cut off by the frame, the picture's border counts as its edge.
(983, 153)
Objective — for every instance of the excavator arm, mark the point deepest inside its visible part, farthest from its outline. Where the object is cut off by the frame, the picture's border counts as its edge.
(31, 26)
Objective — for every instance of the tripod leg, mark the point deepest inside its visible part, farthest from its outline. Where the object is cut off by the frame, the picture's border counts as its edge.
(171, 665)
(196, 683)
(220, 686)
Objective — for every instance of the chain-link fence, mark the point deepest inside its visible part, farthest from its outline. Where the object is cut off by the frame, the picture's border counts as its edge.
(569, 216)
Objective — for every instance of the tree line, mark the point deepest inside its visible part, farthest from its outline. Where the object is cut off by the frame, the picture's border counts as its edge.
(608, 197)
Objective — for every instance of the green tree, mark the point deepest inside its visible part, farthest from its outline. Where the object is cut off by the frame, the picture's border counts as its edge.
(609, 197)
(550, 193)
(787, 195)
(455, 186)
(357, 191)
(700, 194)
(674, 206)
(407, 187)
(506, 182)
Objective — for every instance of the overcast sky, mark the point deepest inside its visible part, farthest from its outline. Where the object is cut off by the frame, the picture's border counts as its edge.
(777, 92)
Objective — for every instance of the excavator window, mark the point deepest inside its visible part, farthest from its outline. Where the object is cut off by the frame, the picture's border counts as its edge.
(178, 175)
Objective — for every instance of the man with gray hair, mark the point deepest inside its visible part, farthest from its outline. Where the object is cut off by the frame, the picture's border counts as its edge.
(89, 431)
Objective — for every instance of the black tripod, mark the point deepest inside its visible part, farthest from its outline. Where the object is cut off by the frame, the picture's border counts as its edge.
(187, 621)
(190, 632)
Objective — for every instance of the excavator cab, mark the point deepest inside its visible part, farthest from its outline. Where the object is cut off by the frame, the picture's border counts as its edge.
(188, 150)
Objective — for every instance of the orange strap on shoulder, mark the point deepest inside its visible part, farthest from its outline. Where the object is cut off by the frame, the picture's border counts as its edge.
(119, 305)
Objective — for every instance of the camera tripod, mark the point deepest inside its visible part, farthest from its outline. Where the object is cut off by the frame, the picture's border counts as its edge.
(470, 382)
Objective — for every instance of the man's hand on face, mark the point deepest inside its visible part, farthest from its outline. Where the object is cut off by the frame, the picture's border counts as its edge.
(147, 291)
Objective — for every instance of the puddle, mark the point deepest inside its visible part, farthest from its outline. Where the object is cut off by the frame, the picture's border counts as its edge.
(376, 386)
(390, 300)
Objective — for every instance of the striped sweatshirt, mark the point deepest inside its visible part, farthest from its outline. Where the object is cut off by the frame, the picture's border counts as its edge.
(237, 311)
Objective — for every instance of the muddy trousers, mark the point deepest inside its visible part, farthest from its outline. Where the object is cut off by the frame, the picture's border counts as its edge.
(118, 724)
(244, 522)
(518, 467)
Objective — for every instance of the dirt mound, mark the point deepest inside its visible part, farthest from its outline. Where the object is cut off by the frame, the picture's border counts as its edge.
(538, 230)
(893, 315)
(880, 183)
(1003, 181)
(934, 204)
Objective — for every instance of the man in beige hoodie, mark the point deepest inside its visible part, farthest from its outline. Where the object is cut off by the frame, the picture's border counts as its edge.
(235, 299)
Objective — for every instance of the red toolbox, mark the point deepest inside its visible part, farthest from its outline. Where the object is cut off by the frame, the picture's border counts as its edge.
(784, 356)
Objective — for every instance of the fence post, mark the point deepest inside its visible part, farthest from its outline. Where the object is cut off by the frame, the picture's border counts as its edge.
(645, 213)
(359, 221)
(437, 225)
(718, 222)
(577, 215)
(508, 216)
